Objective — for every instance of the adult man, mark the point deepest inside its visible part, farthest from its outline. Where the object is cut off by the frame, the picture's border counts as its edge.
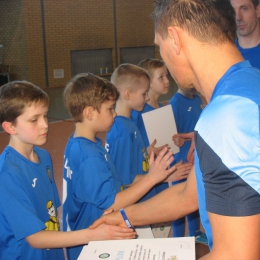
(196, 41)
(248, 29)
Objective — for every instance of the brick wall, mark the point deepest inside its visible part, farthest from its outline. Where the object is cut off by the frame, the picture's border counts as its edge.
(69, 25)
(13, 38)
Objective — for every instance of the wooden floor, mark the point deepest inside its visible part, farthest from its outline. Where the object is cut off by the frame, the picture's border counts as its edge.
(58, 135)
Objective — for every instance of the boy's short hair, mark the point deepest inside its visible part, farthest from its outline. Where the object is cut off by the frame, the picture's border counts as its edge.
(16, 95)
(128, 75)
(150, 65)
(87, 89)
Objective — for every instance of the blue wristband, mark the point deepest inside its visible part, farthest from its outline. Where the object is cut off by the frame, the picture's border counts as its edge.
(128, 223)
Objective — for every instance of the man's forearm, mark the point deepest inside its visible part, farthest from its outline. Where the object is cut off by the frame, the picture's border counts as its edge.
(168, 205)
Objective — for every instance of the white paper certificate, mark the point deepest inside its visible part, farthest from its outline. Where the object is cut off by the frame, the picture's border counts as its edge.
(160, 125)
(182, 248)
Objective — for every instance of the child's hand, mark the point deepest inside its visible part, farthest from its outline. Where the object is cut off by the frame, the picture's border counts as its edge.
(108, 211)
(178, 140)
(190, 156)
(187, 137)
(182, 171)
(114, 218)
(158, 169)
(111, 232)
(156, 150)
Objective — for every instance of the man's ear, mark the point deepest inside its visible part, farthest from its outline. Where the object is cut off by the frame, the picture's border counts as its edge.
(88, 112)
(9, 128)
(174, 35)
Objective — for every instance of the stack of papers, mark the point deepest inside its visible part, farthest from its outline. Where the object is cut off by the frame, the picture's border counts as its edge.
(182, 248)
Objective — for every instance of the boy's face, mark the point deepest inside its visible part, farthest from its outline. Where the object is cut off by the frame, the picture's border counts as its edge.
(160, 82)
(104, 119)
(31, 127)
(139, 96)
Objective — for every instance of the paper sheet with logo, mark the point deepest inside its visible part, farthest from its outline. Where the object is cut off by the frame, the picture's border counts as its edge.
(160, 125)
(182, 248)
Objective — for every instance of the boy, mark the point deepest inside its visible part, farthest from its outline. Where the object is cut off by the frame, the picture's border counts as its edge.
(159, 85)
(29, 198)
(91, 183)
(187, 107)
(124, 141)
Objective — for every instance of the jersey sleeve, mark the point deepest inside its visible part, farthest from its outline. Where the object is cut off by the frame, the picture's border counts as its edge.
(228, 148)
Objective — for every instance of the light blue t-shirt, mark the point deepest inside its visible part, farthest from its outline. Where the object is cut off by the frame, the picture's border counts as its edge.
(227, 159)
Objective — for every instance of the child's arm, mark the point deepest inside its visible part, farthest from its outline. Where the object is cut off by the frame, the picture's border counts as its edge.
(158, 172)
(59, 239)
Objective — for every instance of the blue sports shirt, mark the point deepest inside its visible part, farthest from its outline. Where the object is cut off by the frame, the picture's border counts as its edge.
(251, 54)
(90, 185)
(137, 116)
(227, 159)
(128, 152)
(28, 204)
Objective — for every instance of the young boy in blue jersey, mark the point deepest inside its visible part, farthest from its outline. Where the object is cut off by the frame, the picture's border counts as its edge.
(124, 141)
(91, 182)
(187, 107)
(29, 198)
(159, 85)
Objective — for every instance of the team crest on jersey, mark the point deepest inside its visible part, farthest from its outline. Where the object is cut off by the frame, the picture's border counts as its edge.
(48, 171)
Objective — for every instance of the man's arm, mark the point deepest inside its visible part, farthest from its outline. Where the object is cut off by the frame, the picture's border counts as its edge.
(234, 237)
(172, 203)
